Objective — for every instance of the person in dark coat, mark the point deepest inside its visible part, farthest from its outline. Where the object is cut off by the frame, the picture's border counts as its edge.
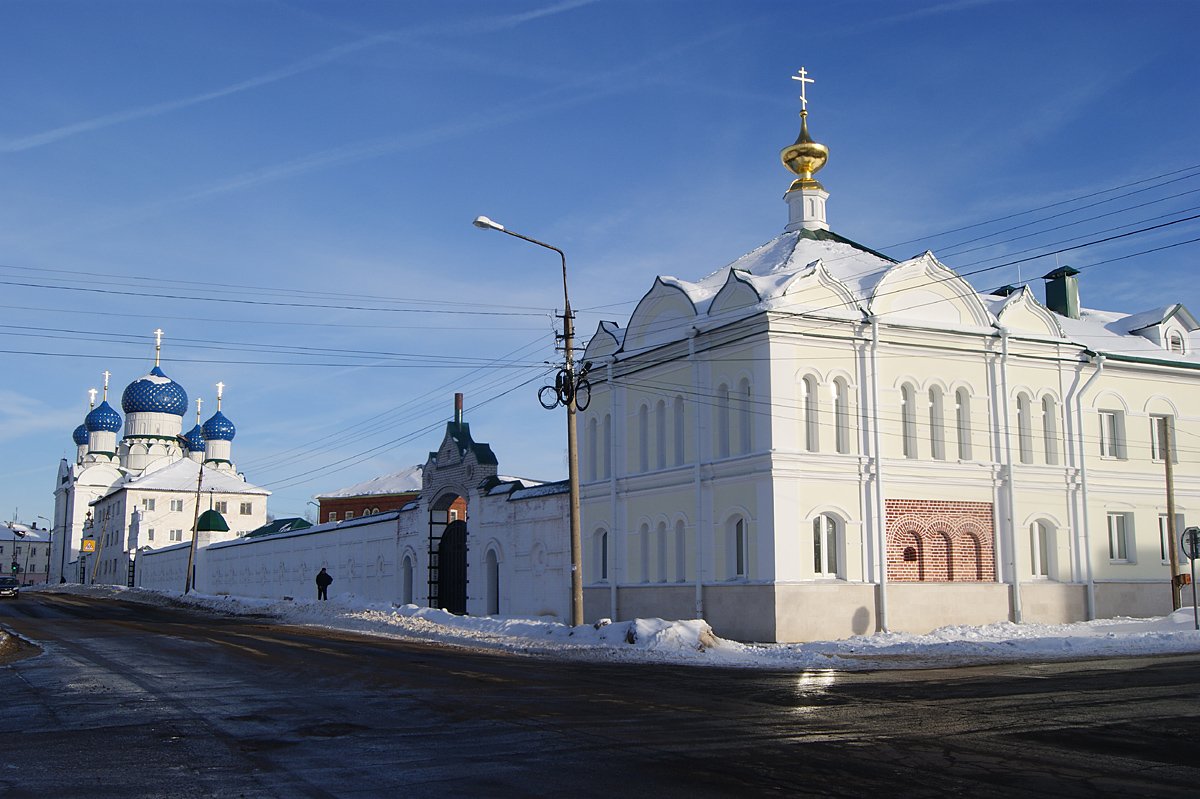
(323, 581)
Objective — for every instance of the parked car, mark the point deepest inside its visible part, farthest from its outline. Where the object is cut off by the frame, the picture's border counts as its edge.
(10, 587)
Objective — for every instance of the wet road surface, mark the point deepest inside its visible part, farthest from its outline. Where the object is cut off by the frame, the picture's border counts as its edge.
(130, 700)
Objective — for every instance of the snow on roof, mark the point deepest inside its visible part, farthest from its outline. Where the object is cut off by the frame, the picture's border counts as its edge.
(405, 481)
(17, 531)
(544, 490)
(181, 476)
(1110, 333)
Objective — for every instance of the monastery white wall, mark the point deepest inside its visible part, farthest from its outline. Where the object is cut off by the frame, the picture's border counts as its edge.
(361, 557)
(164, 569)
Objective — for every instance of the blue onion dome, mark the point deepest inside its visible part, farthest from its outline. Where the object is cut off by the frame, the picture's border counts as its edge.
(219, 428)
(102, 418)
(80, 435)
(154, 393)
(195, 439)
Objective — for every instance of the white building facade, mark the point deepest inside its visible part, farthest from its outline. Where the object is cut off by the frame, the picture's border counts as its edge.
(816, 441)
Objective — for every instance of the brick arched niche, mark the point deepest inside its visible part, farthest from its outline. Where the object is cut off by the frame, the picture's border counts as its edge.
(940, 541)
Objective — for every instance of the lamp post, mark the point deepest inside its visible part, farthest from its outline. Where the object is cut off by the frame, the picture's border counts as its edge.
(572, 444)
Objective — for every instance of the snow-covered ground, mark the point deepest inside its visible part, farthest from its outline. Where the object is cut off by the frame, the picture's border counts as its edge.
(693, 642)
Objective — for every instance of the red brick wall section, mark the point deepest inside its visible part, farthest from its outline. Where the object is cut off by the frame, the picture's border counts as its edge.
(945, 541)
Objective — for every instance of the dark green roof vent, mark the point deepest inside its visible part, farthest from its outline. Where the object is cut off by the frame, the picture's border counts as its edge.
(211, 522)
(1005, 291)
(1062, 292)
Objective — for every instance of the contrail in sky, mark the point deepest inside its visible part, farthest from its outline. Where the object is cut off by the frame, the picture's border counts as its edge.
(304, 65)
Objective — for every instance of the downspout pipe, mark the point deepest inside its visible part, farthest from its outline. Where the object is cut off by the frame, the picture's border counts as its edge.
(881, 607)
(1086, 559)
(1011, 481)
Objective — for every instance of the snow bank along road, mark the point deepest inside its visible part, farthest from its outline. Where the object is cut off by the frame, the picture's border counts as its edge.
(131, 700)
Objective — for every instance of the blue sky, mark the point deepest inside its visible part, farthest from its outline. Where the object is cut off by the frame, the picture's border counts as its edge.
(208, 167)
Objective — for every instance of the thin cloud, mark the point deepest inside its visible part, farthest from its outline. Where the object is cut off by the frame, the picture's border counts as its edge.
(274, 76)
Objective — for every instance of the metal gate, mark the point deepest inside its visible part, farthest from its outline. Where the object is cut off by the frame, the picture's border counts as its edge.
(448, 569)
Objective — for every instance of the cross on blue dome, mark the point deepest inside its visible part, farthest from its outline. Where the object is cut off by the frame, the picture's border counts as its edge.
(102, 418)
(154, 393)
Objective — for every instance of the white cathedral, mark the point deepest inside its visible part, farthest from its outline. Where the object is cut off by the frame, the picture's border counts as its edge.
(817, 440)
(141, 492)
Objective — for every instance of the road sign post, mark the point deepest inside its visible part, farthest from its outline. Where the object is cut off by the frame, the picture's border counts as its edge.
(1191, 547)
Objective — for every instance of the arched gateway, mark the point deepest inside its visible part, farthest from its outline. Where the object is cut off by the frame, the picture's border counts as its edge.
(452, 480)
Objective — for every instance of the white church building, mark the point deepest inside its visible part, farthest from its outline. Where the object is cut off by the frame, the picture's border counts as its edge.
(816, 440)
(140, 492)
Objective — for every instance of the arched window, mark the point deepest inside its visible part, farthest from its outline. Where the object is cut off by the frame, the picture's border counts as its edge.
(643, 433)
(660, 435)
(680, 552)
(937, 424)
(660, 541)
(841, 415)
(679, 419)
(745, 421)
(826, 546)
(812, 419)
(1041, 547)
(600, 554)
(406, 581)
(1176, 344)
(606, 460)
(592, 448)
(908, 420)
(722, 421)
(1050, 429)
(491, 564)
(737, 552)
(644, 552)
(962, 423)
(1024, 429)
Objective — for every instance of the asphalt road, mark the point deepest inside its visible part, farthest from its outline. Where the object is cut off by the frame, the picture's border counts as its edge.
(128, 701)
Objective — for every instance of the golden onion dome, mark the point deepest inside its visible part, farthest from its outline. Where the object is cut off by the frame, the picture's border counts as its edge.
(804, 158)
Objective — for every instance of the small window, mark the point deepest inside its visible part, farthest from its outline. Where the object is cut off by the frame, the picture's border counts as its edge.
(908, 420)
(177, 535)
(177, 504)
(222, 507)
(1112, 434)
(1040, 546)
(1120, 535)
(962, 423)
(350, 514)
(1164, 545)
(246, 509)
(1162, 426)
(150, 534)
(825, 546)
(738, 555)
(1175, 344)
(1024, 429)
(332, 516)
(147, 503)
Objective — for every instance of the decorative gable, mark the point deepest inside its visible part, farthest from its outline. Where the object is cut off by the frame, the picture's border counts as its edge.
(926, 291)
(659, 316)
(738, 292)
(1022, 313)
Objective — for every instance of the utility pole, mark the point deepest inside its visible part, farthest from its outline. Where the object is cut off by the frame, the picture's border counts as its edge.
(187, 580)
(1172, 533)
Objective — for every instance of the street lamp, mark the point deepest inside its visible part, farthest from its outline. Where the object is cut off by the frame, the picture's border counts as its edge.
(572, 446)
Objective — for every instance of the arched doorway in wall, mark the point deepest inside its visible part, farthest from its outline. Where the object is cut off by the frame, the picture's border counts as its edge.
(448, 554)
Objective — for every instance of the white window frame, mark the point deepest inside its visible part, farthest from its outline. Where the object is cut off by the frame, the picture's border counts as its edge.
(962, 422)
(679, 421)
(660, 434)
(1156, 421)
(1163, 544)
(937, 424)
(722, 411)
(1120, 538)
(1041, 555)
(643, 434)
(680, 552)
(841, 415)
(908, 420)
(745, 418)
(812, 418)
(1112, 434)
(1024, 429)
(827, 538)
(1050, 429)
(177, 505)
(738, 549)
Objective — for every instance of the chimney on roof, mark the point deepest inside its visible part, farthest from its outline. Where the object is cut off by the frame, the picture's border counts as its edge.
(1062, 292)
(458, 405)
